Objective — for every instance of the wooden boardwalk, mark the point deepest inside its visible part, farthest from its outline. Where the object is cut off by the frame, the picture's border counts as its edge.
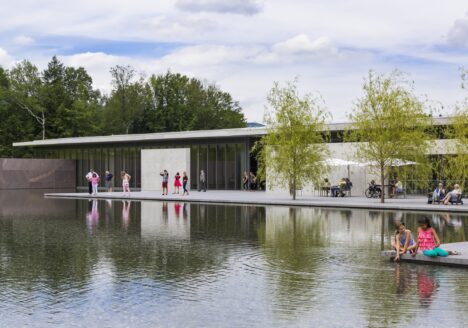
(452, 260)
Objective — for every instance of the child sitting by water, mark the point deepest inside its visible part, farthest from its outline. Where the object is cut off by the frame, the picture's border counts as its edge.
(428, 241)
(403, 241)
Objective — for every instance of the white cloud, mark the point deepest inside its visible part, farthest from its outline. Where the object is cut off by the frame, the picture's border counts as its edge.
(98, 65)
(302, 44)
(329, 44)
(23, 40)
(170, 28)
(242, 7)
(458, 34)
(5, 58)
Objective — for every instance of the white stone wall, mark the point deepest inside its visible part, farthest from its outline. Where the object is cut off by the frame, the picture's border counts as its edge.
(154, 161)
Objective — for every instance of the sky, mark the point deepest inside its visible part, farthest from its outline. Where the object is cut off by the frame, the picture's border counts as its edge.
(243, 46)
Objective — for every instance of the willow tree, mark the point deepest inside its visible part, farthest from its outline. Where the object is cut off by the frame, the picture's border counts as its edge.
(389, 126)
(293, 151)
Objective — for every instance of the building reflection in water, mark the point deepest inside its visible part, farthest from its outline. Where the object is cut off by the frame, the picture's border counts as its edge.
(126, 204)
(159, 220)
(92, 217)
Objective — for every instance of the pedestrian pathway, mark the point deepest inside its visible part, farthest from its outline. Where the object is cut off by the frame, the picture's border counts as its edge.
(452, 260)
(266, 198)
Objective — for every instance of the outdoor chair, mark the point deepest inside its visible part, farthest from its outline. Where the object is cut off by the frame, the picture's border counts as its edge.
(457, 200)
(402, 192)
(431, 200)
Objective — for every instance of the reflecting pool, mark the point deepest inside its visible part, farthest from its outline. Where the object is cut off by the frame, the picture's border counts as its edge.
(76, 263)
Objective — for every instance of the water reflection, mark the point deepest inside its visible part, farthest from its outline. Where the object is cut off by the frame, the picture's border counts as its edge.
(230, 265)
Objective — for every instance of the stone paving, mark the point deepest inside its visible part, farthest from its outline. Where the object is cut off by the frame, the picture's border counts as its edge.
(452, 260)
(266, 198)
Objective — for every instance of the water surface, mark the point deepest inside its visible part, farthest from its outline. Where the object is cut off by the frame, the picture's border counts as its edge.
(76, 263)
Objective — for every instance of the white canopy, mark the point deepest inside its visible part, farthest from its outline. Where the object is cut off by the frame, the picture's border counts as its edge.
(395, 162)
(339, 162)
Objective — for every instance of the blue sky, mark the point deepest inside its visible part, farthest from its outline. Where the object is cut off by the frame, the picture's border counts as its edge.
(245, 45)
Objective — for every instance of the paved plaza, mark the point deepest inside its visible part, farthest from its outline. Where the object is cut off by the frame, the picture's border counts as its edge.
(265, 198)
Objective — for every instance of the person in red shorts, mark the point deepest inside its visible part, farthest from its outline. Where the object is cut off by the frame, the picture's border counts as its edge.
(165, 181)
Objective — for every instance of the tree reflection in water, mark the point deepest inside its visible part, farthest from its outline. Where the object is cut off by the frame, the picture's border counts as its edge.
(292, 241)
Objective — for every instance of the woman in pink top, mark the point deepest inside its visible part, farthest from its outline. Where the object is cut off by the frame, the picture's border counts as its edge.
(95, 183)
(428, 241)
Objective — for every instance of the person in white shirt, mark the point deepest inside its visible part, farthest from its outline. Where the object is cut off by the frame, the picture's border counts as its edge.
(88, 177)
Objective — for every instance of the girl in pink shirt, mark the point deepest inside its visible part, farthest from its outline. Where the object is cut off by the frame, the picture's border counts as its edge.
(428, 241)
(95, 183)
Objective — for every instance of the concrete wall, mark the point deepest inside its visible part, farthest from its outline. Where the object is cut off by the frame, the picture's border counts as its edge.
(28, 173)
(154, 161)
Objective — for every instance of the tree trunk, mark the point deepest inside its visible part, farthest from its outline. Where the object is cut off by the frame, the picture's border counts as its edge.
(294, 188)
(382, 179)
(43, 126)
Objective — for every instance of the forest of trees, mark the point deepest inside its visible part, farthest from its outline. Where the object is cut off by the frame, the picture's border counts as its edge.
(60, 102)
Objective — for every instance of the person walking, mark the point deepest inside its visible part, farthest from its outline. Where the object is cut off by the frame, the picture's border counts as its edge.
(184, 183)
(95, 183)
(109, 182)
(177, 184)
(125, 182)
(202, 181)
(165, 180)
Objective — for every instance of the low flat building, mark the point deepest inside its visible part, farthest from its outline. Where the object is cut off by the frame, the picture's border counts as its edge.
(223, 154)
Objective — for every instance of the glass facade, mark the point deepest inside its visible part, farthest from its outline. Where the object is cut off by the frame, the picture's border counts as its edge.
(223, 161)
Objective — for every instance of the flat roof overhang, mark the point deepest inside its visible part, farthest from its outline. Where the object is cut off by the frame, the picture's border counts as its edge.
(147, 137)
(174, 136)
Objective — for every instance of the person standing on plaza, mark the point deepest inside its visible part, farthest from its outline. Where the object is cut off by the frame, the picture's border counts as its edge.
(125, 181)
(177, 184)
(184, 183)
(88, 177)
(245, 181)
(109, 177)
(95, 183)
(253, 181)
(202, 181)
(165, 180)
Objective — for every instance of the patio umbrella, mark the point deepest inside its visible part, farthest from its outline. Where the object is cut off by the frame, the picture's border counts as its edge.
(395, 162)
(341, 162)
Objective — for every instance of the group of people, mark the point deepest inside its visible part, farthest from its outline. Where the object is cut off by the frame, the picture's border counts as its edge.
(343, 186)
(249, 181)
(165, 183)
(441, 195)
(94, 179)
(427, 241)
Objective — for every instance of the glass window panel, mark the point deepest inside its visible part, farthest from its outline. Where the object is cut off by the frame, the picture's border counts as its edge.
(220, 167)
(211, 174)
(193, 167)
(231, 166)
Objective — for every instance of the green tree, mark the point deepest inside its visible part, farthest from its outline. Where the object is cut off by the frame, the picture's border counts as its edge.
(457, 164)
(389, 124)
(180, 103)
(294, 149)
(124, 104)
(70, 101)
(16, 124)
(25, 92)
